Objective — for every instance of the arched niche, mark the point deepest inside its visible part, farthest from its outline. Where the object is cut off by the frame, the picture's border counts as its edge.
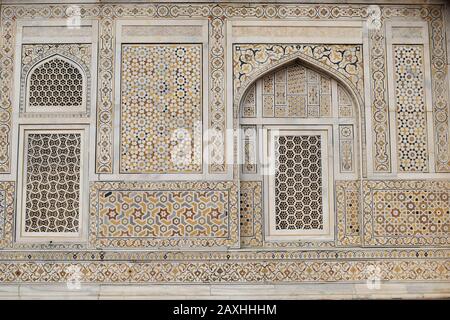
(246, 87)
(55, 83)
(306, 103)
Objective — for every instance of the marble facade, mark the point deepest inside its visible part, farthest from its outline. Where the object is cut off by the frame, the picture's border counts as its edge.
(225, 143)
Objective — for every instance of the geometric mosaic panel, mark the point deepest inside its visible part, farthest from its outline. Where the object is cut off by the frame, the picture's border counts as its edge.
(53, 173)
(298, 182)
(348, 213)
(407, 213)
(7, 198)
(161, 108)
(163, 214)
(251, 213)
(411, 113)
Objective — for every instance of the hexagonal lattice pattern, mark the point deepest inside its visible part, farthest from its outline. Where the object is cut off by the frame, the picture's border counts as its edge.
(298, 183)
(56, 83)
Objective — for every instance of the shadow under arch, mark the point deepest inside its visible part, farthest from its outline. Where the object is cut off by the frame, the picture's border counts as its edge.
(309, 62)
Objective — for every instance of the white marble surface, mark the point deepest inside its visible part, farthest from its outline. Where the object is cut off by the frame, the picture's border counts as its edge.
(259, 292)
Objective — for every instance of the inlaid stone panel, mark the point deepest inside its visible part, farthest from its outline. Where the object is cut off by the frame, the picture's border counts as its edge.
(164, 214)
(161, 108)
(251, 212)
(6, 213)
(348, 213)
(411, 114)
(406, 213)
(249, 103)
(249, 142)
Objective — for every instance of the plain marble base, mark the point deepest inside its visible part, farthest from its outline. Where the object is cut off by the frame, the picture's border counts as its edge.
(226, 292)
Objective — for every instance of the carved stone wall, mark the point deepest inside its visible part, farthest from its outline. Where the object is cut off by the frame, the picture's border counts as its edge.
(150, 168)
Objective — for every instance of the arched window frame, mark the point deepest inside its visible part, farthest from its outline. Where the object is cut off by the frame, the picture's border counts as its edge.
(334, 123)
(83, 109)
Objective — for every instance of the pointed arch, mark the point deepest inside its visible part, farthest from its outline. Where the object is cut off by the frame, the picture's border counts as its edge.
(254, 75)
(55, 82)
(308, 62)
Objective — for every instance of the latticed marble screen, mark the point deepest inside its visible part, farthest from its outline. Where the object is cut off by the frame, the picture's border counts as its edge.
(298, 182)
(52, 182)
(161, 109)
(411, 114)
(55, 83)
(56, 79)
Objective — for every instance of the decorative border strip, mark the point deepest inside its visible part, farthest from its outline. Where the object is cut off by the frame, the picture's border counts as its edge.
(380, 110)
(308, 254)
(6, 91)
(225, 272)
(105, 108)
(440, 91)
(217, 112)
